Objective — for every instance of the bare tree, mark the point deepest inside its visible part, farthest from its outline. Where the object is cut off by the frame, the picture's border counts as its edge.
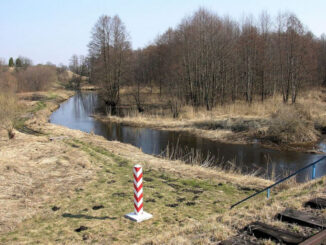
(74, 65)
(322, 58)
(25, 62)
(207, 60)
(109, 50)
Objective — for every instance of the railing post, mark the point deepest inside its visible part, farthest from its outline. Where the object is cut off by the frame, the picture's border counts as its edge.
(313, 175)
(268, 188)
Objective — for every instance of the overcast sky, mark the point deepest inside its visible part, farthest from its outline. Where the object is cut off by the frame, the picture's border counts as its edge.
(53, 30)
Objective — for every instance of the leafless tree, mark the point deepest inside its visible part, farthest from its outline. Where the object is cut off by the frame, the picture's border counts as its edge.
(207, 60)
(109, 50)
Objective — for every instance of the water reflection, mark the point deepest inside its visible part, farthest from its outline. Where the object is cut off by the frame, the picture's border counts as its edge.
(75, 113)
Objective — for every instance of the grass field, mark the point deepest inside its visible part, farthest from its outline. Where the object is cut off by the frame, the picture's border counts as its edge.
(174, 202)
(63, 186)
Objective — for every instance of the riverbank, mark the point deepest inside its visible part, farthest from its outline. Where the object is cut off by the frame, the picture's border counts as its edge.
(292, 128)
(53, 177)
(227, 133)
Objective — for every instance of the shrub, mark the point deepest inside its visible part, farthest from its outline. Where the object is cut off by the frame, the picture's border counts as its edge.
(36, 78)
(292, 124)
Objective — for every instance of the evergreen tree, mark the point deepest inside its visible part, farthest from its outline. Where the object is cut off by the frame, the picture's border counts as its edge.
(11, 62)
(18, 62)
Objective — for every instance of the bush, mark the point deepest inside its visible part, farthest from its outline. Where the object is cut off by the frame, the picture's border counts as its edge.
(36, 78)
(74, 82)
(292, 124)
(29, 78)
(8, 82)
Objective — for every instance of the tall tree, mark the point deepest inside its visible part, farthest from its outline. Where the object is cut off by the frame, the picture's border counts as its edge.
(109, 50)
(74, 65)
(208, 60)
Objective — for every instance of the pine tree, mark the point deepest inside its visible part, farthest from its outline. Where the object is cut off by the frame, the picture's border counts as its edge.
(11, 62)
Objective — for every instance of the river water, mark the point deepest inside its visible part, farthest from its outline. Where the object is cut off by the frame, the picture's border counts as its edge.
(252, 158)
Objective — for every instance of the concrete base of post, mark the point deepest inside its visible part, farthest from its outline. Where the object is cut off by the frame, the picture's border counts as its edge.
(138, 217)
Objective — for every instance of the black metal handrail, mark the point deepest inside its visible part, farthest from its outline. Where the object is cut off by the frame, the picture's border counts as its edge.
(313, 176)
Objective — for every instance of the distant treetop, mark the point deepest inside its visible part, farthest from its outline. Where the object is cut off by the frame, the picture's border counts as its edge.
(11, 62)
(18, 62)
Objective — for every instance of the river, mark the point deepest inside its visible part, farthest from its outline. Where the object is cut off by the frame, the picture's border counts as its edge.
(75, 113)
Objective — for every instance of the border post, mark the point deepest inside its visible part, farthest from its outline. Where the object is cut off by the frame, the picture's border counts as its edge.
(139, 214)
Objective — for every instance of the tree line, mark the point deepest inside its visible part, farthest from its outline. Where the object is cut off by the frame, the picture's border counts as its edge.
(208, 60)
(21, 61)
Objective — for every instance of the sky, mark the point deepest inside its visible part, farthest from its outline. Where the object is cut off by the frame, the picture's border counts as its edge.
(54, 30)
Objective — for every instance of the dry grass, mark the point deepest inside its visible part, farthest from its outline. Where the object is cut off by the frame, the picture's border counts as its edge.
(33, 171)
(76, 170)
(237, 109)
(265, 211)
(9, 111)
(199, 193)
(175, 201)
(290, 124)
(231, 222)
(72, 171)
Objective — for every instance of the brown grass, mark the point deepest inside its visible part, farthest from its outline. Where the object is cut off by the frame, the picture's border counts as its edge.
(9, 111)
(72, 170)
(231, 222)
(34, 171)
(41, 171)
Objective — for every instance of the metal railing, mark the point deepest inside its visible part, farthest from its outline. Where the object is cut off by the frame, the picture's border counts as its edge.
(268, 188)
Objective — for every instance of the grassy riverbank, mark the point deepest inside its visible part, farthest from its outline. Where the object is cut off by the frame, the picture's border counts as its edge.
(53, 178)
(273, 124)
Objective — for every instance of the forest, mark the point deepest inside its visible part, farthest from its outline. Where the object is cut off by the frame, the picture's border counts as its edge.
(207, 60)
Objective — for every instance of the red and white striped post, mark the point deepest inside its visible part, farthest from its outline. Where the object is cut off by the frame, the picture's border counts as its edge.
(138, 189)
(139, 214)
